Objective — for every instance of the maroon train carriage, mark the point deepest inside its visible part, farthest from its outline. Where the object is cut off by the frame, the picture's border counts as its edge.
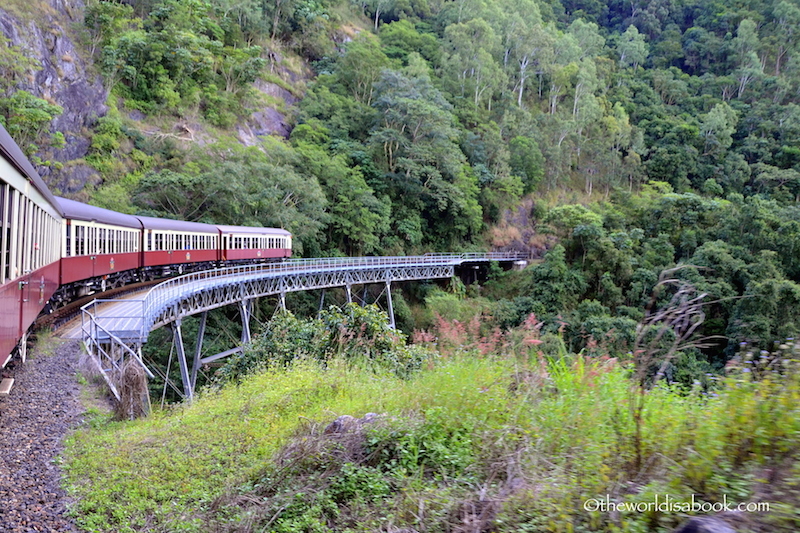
(30, 221)
(174, 246)
(47, 242)
(241, 243)
(101, 249)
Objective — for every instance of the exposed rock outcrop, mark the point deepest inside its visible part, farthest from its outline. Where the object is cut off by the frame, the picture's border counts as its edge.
(267, 121)
(64, 79)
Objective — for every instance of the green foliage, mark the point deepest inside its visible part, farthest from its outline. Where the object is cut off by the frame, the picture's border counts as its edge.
(227, 183)
(527, 161)
(176, 59)
(27, 119)
(358, 334)
(540, 438)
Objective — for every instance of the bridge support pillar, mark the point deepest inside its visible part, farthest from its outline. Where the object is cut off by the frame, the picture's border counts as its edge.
(245, 309)
(282, 301)
(177, 338)
(321, 303)
(390, 307)
(201, 333)
(349, 291)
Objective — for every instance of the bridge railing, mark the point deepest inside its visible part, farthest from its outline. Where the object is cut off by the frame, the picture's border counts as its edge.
(108, 349)
(168, 292)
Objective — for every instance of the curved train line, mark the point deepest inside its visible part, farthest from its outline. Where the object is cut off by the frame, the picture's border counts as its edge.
(54, 251)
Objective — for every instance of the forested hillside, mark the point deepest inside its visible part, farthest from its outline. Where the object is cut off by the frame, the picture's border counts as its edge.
(632, 136)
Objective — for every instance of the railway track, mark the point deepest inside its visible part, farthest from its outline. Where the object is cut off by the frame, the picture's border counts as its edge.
(64, 314)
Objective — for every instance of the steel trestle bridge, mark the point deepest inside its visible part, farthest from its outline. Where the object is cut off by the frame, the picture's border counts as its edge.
(115, 330)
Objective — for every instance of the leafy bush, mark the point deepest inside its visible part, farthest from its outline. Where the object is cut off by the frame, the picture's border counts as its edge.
(356, 334)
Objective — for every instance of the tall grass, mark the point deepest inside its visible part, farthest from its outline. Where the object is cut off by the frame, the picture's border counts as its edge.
(505, 443)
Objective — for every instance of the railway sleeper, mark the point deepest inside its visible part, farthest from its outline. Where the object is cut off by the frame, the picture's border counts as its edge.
(6, 385)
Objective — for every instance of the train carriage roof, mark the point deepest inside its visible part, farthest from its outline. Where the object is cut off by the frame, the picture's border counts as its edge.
(14, 155)
(177, 225)
(254, 231)
(89, 213)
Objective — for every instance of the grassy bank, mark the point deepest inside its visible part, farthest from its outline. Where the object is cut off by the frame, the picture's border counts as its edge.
(482, 443)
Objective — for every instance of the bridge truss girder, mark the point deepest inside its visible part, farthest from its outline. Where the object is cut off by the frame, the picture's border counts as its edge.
(227, 294)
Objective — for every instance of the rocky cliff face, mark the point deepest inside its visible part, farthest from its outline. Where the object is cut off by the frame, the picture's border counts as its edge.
(64, 79)
(49, 32)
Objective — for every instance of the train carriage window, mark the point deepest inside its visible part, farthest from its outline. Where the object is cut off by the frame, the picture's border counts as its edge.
(22, 237)
(34, 236)
(13, 197)
(80, 237)
(28, 237)
(68, 231)
(5, 231)
(22, 223)
(159, 241)
(41, 252)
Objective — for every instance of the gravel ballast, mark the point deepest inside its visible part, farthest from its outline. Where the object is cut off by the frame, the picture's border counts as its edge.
(43, 407)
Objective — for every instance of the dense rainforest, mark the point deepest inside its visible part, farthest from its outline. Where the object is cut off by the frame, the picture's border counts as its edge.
(645, 152)
(617, 138)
